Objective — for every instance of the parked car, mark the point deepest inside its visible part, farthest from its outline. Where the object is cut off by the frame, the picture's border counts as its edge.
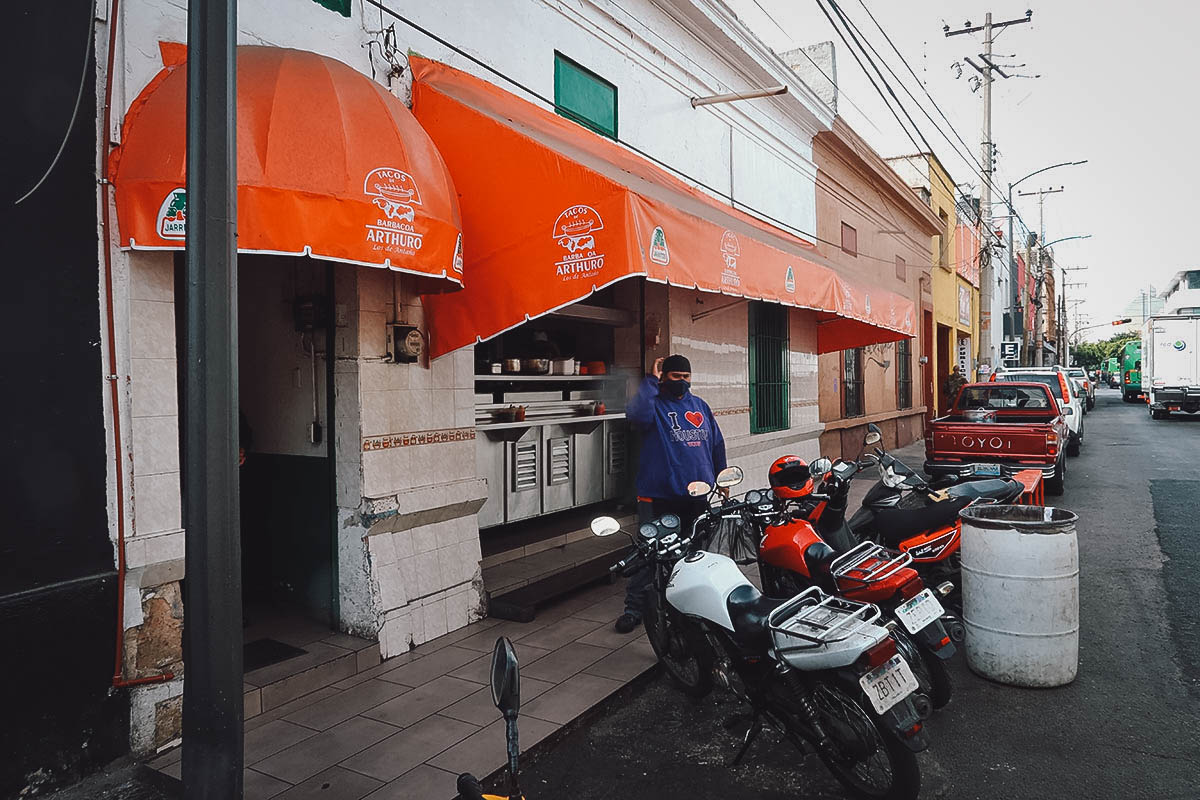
(1001, 428)
(1060, 386)
(1087, 383)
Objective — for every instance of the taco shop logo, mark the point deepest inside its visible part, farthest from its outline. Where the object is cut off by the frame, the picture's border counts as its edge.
(659, 253)
(730, 250)
(172, 215)
(789, 280)
(394, 193)
(575, 232)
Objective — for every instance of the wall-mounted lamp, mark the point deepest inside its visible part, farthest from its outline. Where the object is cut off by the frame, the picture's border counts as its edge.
(884, 364)
(923, 360)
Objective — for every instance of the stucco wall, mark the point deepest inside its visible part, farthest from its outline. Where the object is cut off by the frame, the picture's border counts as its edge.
(717, 346)
(856, 187)
(408, 548)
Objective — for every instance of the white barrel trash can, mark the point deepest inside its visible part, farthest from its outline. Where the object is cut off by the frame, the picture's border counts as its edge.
(1020, 590)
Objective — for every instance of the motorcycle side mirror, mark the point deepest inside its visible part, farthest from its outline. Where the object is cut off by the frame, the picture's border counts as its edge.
(874, 435)
(506, 678)
(820, 468)
(699, 489)
(730, 477)
(605, 526)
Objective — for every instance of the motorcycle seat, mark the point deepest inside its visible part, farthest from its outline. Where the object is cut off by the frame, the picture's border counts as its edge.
(993, 489)
(897, 524)
(748, 610)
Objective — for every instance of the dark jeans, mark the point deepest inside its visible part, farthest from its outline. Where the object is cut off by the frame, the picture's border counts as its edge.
(687, 509)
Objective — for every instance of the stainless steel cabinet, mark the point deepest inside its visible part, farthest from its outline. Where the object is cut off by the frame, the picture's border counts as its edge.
(523, 498)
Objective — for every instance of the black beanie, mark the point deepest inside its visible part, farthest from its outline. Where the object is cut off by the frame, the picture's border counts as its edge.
(676, 364)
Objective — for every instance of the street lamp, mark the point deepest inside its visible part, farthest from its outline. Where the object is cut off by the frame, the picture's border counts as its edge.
(1012, 213)
(1067, 239)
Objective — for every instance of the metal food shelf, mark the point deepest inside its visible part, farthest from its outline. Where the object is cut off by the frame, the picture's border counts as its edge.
(827, 618)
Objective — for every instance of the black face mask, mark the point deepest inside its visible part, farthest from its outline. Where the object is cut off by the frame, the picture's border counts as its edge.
(676, 389)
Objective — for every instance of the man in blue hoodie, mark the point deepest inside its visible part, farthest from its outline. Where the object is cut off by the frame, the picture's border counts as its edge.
(681, 443)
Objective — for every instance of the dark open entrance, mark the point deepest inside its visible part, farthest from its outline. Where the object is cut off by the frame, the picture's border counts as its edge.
(288, 490)
(284, 311)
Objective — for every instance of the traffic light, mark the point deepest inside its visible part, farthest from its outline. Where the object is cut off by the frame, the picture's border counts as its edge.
(1122, 321)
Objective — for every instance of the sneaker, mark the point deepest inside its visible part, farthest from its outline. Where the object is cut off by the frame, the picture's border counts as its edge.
(626, 623)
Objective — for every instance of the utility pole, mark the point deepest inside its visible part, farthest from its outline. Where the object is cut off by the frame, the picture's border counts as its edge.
(212, 637)
(1064, 346)
(1041, 260)
(986, 280)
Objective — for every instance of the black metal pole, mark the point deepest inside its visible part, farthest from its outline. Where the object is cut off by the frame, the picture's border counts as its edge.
(212, 693)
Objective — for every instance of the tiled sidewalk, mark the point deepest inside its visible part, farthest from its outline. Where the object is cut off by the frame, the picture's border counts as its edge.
(406, 727)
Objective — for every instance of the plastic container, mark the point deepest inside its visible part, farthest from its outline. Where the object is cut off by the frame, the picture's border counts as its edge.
(1020, 588)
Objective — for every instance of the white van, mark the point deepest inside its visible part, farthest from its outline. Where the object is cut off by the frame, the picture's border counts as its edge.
(1171, 364)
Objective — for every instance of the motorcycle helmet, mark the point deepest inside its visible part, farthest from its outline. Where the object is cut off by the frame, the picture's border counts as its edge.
(790, 478)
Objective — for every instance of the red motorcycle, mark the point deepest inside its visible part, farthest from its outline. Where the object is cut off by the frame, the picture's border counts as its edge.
(905, 512)
(794, 554)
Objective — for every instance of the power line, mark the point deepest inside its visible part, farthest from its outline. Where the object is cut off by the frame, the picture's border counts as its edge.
(734, 203)
(970, 155)
(928, 148)
(818, 67)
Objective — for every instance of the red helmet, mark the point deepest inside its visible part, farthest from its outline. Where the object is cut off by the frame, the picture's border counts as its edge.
(790, 478)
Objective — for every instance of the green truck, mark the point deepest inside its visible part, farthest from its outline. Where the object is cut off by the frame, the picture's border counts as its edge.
(1110, 373)
(1131, 372)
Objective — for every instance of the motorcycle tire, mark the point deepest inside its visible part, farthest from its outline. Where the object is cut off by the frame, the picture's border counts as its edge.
(932, 678)
(851, 728)
(683, 651)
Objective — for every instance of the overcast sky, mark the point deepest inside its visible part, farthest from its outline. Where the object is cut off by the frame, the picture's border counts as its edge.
(1117, 87)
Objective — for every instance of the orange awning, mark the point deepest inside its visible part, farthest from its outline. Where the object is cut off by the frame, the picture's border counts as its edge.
(553, 212)
(329, 165)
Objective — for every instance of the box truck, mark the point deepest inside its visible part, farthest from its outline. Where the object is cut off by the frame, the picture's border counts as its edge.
(1171, 364)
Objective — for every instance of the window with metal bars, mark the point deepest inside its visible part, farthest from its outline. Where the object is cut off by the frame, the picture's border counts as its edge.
(904, 374)
(852, 383)
(769, 372)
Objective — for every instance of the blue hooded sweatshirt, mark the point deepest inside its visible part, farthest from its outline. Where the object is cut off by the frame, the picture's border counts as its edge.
(681, 441)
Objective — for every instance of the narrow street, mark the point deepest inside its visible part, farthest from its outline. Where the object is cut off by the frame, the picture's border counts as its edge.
(1126, 727)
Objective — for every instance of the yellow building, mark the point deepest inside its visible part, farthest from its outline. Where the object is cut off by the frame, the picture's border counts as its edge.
(954, 255)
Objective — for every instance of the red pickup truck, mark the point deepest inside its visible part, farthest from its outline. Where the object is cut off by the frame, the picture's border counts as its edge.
(1000, 429)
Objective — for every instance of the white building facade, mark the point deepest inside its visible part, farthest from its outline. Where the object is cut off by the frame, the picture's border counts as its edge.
(396, 554)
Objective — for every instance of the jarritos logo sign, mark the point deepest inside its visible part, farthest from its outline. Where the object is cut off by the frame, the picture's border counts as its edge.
(659, 253)
(394, 193)
(172, 215)
(730, 250)
(575, 232)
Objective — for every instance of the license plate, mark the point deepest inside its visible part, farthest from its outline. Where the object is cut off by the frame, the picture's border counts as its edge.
(986, 469)
(889, 684)
(919, 611)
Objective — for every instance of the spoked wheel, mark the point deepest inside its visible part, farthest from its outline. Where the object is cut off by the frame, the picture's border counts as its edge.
(869, 762)
(684, 653)
(933, 680)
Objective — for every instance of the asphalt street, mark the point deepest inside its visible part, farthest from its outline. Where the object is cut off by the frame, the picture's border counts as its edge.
(1128, 727)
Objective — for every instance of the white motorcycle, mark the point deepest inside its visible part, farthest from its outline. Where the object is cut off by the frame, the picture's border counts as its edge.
(815, 667)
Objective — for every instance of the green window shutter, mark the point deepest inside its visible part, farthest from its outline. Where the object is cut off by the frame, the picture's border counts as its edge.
(584, 96)
(340, 6)
(770, 376)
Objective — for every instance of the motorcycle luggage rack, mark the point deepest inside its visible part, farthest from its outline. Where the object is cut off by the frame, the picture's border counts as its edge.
(812, 619)
(853, 559)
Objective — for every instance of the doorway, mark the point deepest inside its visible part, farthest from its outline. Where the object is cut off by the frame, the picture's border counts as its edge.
(287, 478)
(945, 362)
